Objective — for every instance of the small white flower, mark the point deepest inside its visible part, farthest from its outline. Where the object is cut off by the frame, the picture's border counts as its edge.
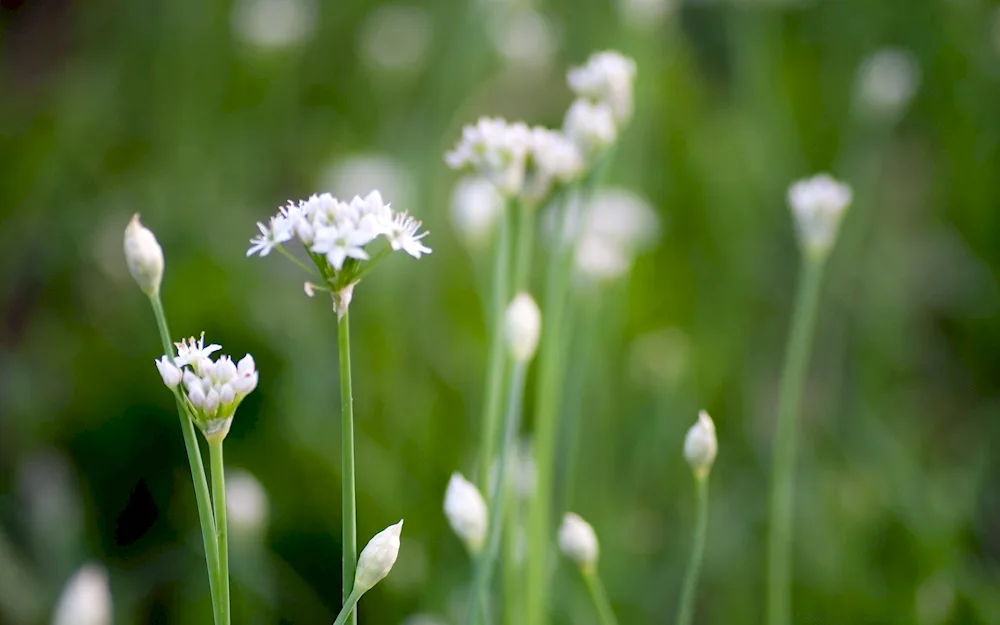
(591, 125)
(396, 38)
(270, 237)
(86, 598)
(886, 83)
(496, 150)
(701, 446)
(475, 208)
(607, 77)
(377, 558)
(246, 501)
(818, 204)
(190, 351)
(523, 36)
(339, 244)
(578, 542)
(466, 511)
(553, 158)
(402, 235)
(144, 256)
(171, 375)
(523, 325)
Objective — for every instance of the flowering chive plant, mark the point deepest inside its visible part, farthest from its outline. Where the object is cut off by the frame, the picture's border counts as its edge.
(339, 236)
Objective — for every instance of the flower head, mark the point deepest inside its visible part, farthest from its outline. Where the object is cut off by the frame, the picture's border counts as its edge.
(578, 541)
(701, 446)
(466, 511)
(377, 558)
(607, 77)
(818, 204)
(212, 389)
(553, 159)
(496, 150)
(338, 235)
(523, 325)
(144, 256)
(591, 125)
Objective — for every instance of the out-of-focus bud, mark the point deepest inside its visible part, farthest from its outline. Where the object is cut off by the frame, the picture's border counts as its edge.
(818, 204)
(144, 256)
(701, 446)
(86, 598)
(886, 83)
(476, 205)
(523, 323)
(578, 542)
(377, 558)
(466, 511)
(246, 501)
(171, 375)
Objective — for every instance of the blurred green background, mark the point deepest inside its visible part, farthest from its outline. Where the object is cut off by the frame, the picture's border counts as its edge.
(206, 115)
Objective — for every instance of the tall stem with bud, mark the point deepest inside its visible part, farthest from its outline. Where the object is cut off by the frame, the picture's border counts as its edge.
(349, 509)
(700, 449)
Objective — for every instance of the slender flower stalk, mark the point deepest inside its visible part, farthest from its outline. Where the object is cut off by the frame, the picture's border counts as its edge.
(700, 448)
(202, 496)
(493, 398)
(599, 597)
(349, 521)
(522, 327)
(221, 522)
(818, 205)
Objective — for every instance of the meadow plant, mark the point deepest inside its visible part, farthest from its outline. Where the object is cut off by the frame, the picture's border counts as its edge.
(818, 204)
(700, 449)
(578, 542)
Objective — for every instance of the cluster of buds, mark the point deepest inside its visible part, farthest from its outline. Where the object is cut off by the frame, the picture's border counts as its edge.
(211, 390)
(818, 204)
(531, 163)
(338, 237)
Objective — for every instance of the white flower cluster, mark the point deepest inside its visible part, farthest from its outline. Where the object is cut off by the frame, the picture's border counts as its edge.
(607, 78)
(212, 389)
(818, 204)
(528, 162)
(518, 160)
(338, 231)
(466, 511)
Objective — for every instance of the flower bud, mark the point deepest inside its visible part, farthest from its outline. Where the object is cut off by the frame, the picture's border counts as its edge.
(700, 445)
(818, 203)
(578, 542)
(377, 558)
(171, 375)
(144, 256)
(523, 323)
(466, 511)
(86, 599)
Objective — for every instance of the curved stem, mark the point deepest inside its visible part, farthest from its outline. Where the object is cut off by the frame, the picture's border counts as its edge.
(221, 523)
(779, 569)
(493, 399)
(484, 567)
(348, 609)
(605, 615)
(349, 519)
(685, 612)
(198, 479)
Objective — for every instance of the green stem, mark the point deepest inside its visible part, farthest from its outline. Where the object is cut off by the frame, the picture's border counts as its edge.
(685, 612)
(349, 519)
(301, 265)
(605, 615)
(198, 479)
(551, 358)
(348, 609)
(221, 522)
(779, 604)
(525, 243)
(484, 567)
(493, 402)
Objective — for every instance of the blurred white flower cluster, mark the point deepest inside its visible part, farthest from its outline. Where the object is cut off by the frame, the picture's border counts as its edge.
(818, 204)
(578, 542)
(212, 390)
(532, 162)
(886, 83)
(466, 511)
